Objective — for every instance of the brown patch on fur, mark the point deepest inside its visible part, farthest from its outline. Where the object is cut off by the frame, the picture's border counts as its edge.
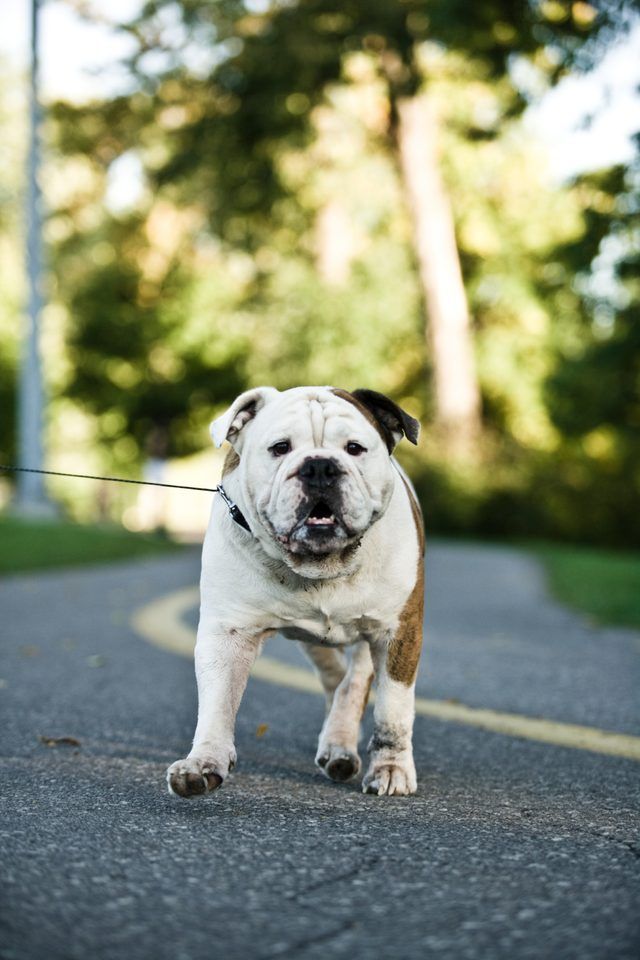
(365, 699)
(231, 461)
(417, 515)
(404, 650)
(349, 397)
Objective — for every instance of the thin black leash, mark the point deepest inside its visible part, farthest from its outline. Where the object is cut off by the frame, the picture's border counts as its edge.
(234, 509)
(89, 476)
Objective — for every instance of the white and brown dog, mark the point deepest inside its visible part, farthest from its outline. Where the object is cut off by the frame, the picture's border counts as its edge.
(321, 541)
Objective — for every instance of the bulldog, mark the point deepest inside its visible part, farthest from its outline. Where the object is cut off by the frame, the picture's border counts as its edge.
(317, 535)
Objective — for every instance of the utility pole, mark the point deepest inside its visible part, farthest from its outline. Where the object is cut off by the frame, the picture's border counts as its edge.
(31, 497)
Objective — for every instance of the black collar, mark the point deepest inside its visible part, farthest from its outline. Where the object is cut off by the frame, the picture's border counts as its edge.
(234, 510)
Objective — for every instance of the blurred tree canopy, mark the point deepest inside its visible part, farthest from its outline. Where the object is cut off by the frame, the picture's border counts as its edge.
(319, 183)
(594, 390)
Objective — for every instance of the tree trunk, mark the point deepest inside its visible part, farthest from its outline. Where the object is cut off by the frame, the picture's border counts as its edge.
(457, 394)
(335, 244)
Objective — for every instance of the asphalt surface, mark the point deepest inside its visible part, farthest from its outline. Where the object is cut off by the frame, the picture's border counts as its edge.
(511, 849)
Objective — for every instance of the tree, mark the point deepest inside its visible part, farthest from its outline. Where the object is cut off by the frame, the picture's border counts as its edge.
(301, 107)
(457, 394)
(594, 390)
(138, 362)
(141, 363)
(274, 68)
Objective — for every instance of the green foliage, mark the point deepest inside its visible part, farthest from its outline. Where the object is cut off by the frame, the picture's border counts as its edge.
(343, 336)
(8, 387)
(509, 223)
(248, 127)
(593, 393)
(223, 129)
(136, 363)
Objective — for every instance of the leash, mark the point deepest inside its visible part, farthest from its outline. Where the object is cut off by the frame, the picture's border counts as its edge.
(233, 508)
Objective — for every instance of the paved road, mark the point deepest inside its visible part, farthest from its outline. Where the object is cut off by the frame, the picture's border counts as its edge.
(512, 848)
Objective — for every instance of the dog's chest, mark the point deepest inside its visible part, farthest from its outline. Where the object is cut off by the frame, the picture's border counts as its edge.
(325, 633)
(332, 621)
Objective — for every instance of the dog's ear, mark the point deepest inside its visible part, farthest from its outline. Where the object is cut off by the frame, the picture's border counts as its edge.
(243, 409)
(393, 422)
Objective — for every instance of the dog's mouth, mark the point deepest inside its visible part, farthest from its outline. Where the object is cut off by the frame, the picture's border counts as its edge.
(321, 517)
(319, 529)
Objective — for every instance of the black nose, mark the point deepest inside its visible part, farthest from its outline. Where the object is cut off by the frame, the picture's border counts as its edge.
(319, 472)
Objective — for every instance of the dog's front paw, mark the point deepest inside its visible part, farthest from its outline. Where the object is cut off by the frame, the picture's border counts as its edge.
(337, 762)
(195, 776)
(391, 777)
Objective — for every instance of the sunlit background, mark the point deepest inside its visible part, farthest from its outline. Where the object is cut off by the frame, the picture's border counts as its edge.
(433, 199)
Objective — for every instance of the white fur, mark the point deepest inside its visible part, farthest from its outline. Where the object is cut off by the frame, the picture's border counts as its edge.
(253, 584)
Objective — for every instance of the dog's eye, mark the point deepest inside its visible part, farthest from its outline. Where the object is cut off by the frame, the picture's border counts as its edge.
(355, 449)
(280, 449)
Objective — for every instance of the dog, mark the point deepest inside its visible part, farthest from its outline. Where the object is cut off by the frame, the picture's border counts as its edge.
(318, 536)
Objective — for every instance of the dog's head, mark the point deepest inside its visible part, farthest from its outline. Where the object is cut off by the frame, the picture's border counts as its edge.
(313, 467)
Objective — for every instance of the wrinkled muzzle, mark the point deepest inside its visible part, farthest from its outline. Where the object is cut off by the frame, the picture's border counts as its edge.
(317, 506)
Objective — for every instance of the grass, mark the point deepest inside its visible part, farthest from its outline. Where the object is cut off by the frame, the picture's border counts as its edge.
(601, 583)
(39, 544)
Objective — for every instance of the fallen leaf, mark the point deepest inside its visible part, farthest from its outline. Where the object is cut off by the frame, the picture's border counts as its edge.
(59, 741)
(29, 650)
(261, 729)
(96, 660)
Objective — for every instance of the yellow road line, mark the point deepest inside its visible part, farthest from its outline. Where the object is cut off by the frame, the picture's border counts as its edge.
(161, 623)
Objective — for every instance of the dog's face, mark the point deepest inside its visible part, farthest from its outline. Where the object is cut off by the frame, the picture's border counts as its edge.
(314, 465)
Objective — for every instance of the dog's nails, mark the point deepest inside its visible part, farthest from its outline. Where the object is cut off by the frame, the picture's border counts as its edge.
(195, 784)
(212, 780)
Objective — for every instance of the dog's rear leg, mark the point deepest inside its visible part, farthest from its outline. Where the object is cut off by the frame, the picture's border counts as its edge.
(330, 665)
(337, 752)
(223, 661)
